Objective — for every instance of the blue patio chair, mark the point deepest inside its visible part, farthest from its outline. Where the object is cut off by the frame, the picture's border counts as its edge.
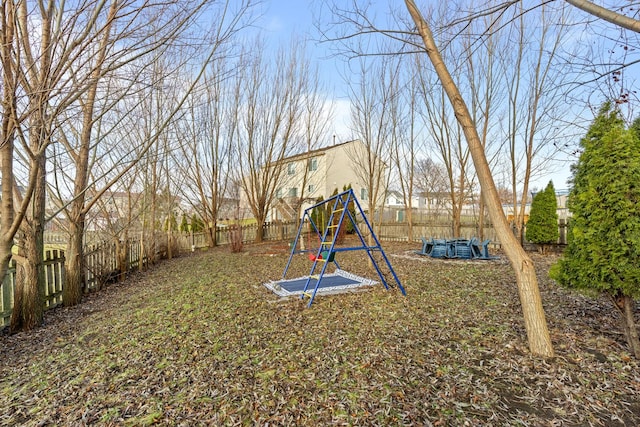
(484, 250)
(440, 249)
(427, 246)
(460, 248)
(474, 244)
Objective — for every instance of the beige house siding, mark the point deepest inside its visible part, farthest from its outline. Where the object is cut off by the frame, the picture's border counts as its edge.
(335, 167)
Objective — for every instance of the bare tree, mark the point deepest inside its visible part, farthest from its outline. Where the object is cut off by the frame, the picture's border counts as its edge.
(406, 136)
(147, 32)
(484, 81)
(530, 299)
(314, 122)
(432, 181)
(447, 138)
(11, 212)
(44, 73)
(533, 95)
(207, 156)
(268, 120)
(372, 97)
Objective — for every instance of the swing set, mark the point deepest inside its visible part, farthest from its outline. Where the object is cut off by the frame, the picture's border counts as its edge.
(318, 279)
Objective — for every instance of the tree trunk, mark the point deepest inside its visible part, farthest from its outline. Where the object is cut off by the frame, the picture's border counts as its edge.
(122, 254)
(9, 87)
(409, 220)
(530, 299)
(28, 305)
(6, 210)
(211, 235)
(74, 265)
(141, 262)
(169, 239)
(608, 15)
(481, 219)
(260, 229)
(626, 306)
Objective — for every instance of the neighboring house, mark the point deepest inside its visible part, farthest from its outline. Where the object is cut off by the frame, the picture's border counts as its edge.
(511, 213)
(317, 173)
(394, 207)
(119, 209)
(424, 204)
(229, 209)
(113, 208)
(394, 199)
(562, 198)
(562, 210)
(436, 202)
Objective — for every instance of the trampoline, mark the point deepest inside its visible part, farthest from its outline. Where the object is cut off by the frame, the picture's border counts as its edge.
(337, 282)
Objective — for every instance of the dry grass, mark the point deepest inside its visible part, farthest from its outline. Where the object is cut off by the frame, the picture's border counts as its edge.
(199, 341)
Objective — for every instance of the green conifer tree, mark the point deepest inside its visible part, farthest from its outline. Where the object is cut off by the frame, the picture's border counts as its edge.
(319, 216)
(170, 220)
(196, 224)
(603, 253)
(352, 210)
(542, 227)
(184, 224)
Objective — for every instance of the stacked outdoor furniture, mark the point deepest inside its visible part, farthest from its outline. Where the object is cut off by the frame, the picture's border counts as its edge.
(456, 248)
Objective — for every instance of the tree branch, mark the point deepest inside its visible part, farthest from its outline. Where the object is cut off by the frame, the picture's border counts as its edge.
(606, 14)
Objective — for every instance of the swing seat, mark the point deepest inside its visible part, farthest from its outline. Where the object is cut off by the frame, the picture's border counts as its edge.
(324, 255)
(329, 256)
(312, 256)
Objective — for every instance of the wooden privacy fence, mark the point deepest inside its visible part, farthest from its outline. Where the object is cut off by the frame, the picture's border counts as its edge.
(271, 231)
(53, 277)
(107, 261)
(104, 262)
(398, 231)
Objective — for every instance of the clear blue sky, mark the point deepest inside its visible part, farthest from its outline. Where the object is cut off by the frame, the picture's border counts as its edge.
(281, 19)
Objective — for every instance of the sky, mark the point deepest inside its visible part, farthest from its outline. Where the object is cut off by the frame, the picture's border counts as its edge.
(284, 18)
(280, 19)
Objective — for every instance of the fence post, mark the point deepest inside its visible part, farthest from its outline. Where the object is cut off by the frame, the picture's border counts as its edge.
(562, 224)
(6, 298)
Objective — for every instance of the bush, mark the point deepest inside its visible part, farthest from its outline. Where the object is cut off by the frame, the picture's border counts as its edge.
(542, 227)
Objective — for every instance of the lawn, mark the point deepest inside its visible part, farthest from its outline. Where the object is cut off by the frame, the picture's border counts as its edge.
(199, 341)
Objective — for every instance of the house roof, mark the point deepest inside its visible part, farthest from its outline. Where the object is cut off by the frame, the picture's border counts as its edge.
(314, 153)
(395, 193)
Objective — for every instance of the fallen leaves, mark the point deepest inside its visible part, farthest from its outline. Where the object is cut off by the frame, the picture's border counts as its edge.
(198, 341)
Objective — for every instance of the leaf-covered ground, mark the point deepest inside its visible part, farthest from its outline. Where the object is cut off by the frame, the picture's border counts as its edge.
(199, 341)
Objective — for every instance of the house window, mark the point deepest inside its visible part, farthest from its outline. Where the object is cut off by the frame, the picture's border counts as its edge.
(311, 188)
(364, 194)
(291, 169)
(293, 192)
(313, 165)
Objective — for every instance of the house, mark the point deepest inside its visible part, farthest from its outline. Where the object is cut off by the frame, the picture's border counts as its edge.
(317, 173)
(562, 197)
(394, 199)
(124, 209)
(425, 205)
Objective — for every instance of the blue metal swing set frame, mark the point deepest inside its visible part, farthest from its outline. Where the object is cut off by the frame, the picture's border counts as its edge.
(327, 250)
